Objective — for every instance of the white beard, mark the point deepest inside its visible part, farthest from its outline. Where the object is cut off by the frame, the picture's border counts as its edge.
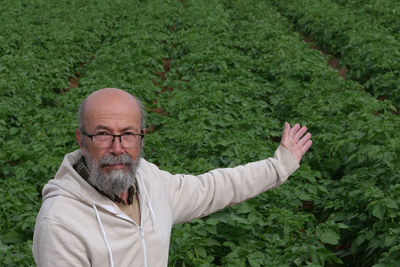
(113, 182)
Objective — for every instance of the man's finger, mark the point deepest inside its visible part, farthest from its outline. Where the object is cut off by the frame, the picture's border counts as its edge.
(286, 130)
(295, 129)
(300, 133)
(304, 139)
(306, 146)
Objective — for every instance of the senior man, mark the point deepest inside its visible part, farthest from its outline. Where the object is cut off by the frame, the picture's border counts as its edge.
(107, 206)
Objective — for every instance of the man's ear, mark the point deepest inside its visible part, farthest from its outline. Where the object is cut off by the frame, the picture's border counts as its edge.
(78, 137)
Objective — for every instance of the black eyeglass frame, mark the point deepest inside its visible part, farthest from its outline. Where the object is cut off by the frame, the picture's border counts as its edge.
(114, 135)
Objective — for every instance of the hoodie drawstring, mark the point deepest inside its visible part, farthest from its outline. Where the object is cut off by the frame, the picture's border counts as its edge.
(146, 195)
(153, 217)
(104, 236)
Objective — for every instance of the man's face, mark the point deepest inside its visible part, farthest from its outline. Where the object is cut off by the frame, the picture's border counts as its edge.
(118, 114)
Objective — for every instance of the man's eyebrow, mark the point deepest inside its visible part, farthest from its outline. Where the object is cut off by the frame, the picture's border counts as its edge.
(127, 129)
(103, 127)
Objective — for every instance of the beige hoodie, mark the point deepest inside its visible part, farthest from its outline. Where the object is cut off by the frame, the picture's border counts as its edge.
(78, 226)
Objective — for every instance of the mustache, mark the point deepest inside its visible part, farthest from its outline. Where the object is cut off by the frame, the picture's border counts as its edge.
(109, 159)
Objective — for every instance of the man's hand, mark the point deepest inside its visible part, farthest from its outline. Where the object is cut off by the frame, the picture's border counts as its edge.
(296, 140)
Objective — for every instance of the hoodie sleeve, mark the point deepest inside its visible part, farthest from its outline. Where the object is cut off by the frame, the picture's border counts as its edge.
(56, 244)
(197, 196)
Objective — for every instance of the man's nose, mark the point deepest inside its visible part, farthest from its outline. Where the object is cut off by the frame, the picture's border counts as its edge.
(116, 146)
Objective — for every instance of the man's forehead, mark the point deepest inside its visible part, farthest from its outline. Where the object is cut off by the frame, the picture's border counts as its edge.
(109, 105)
(110, 98)
(111, 95)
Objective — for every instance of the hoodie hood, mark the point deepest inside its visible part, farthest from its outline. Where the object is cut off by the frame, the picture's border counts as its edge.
(68, 183)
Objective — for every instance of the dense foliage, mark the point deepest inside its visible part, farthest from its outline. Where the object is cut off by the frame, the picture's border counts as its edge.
(359, 35)
(218, 80)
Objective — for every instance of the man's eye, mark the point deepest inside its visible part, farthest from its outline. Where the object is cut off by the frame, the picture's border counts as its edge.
(129, 133)
(101, 133)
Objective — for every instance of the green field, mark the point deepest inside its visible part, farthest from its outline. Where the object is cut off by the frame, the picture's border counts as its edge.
(218, 79)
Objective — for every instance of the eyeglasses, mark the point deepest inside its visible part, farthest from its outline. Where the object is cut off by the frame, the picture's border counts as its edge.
(127, 140)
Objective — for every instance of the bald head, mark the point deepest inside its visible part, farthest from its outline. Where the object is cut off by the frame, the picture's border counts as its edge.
(109, 99)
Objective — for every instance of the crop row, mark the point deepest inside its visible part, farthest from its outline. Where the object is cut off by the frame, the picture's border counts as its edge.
(225, 105)
(370, 51)
(385, 13)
